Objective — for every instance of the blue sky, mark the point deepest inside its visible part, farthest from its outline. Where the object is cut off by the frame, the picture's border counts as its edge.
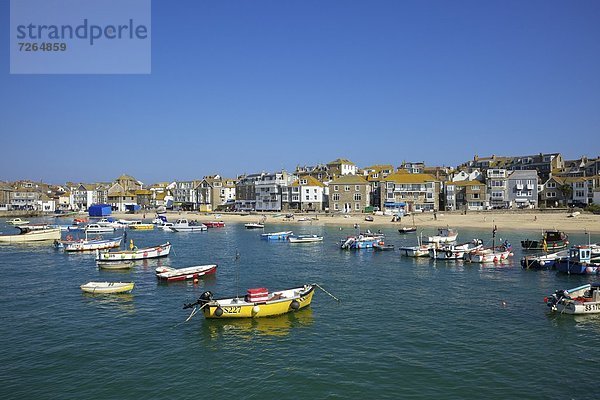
(245, 86)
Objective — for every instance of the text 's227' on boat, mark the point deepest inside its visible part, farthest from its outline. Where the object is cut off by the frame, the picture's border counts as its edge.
(257, 303)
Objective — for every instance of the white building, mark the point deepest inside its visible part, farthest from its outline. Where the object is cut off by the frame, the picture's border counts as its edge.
(307, 194)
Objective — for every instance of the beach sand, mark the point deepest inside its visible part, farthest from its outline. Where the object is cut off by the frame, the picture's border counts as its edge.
(528, 220)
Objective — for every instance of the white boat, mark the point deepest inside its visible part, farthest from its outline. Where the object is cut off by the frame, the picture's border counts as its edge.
(166, 226)
(305, 239)
(135, 254)
(493, 254)
(31, 235)
(584, 299)
(444, 235)
(181, 274)
(107, 287)
(95, 228)
(276, 235)
(93, 244)
(183, 225)
(109, 223)
(254, 226)
(17, 221)
(543, 261)
(454, 252)
(420, 250)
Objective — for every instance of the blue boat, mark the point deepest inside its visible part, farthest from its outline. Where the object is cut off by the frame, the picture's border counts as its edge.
(276, 235)
(362, 241)
(578, 262)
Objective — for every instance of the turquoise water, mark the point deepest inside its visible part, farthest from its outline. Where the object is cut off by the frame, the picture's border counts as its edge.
(405, 328)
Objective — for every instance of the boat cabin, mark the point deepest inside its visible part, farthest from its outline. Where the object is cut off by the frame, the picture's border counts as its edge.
(582, 254)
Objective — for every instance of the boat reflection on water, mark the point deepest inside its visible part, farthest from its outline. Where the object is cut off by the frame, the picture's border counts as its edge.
(250, 328)
(122, 302)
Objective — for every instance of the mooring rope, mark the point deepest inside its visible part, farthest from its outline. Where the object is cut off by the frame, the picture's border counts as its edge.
(320, 287)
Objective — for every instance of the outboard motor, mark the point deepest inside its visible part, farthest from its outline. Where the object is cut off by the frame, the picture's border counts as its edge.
(204, 298)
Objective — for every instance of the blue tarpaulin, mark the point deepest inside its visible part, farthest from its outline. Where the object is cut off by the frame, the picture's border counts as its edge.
(132, 208)
(100, 210)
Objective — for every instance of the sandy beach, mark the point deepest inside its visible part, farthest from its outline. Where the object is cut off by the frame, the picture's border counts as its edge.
(507, 220)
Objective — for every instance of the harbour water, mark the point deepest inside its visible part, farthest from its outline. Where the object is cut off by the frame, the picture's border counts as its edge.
(405, 328)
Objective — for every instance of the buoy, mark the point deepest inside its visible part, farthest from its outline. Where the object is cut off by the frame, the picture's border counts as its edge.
(503, 303)
(295, 305)
(219, 311)
(495, 259)
(195, 280)
(502, 256)
(255, 309)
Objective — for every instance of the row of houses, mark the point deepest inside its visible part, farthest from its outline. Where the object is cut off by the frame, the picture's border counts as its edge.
(543, 180)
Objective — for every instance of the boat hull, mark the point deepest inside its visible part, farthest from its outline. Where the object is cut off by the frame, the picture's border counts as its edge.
(243, 309)
(33, 236)
(107, 287)
(577, 268)
(91, 245)
(182, 274)
(139, 254)
(115, 264)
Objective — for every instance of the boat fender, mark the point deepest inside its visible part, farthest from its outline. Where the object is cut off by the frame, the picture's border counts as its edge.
(219, 311)
(295, 305)
(255, 310)
(449, 254)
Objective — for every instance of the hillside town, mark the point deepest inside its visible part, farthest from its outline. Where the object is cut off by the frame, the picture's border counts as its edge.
(340, 186)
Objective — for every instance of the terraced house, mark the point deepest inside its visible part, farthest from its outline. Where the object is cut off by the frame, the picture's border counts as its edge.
(307, 194)
(215, 192)
(403, 191)
(349, 193)
(465, 195)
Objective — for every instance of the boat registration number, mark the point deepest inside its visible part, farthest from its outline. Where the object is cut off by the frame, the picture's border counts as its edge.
(232, 310)
(592, 307)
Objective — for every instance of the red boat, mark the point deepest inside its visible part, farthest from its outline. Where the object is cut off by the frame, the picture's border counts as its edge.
(181, 274)
(214, 224)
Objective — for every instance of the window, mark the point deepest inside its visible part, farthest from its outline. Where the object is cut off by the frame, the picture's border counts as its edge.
(336, 188)
(357, 197)
(475, 196)
(307, 197)
(475, 188)
(335, 197)
(357, 188)
(357, 206)
(303, 181)
(551, 185)
(336, 206)
(551, 194)
(346, 188)
(579, 193)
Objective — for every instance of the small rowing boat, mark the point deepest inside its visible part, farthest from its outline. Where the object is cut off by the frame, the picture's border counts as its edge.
(114, 264)
(181, 274)
(254, 226)
(107, 287)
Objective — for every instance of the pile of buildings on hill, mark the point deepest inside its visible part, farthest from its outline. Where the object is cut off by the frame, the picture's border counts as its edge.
(542, 180)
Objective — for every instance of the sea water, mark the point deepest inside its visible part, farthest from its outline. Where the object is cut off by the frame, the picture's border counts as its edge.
(404, 328)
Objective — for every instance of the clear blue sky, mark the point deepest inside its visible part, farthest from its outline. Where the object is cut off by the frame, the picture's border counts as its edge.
(245, 86)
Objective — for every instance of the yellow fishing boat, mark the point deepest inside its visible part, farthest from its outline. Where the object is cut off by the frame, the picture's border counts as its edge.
(139, 225)
(257, 303)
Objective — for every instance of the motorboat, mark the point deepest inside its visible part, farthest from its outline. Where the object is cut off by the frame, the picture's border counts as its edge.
(183, 225)
(257, 303)
(584, 299)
